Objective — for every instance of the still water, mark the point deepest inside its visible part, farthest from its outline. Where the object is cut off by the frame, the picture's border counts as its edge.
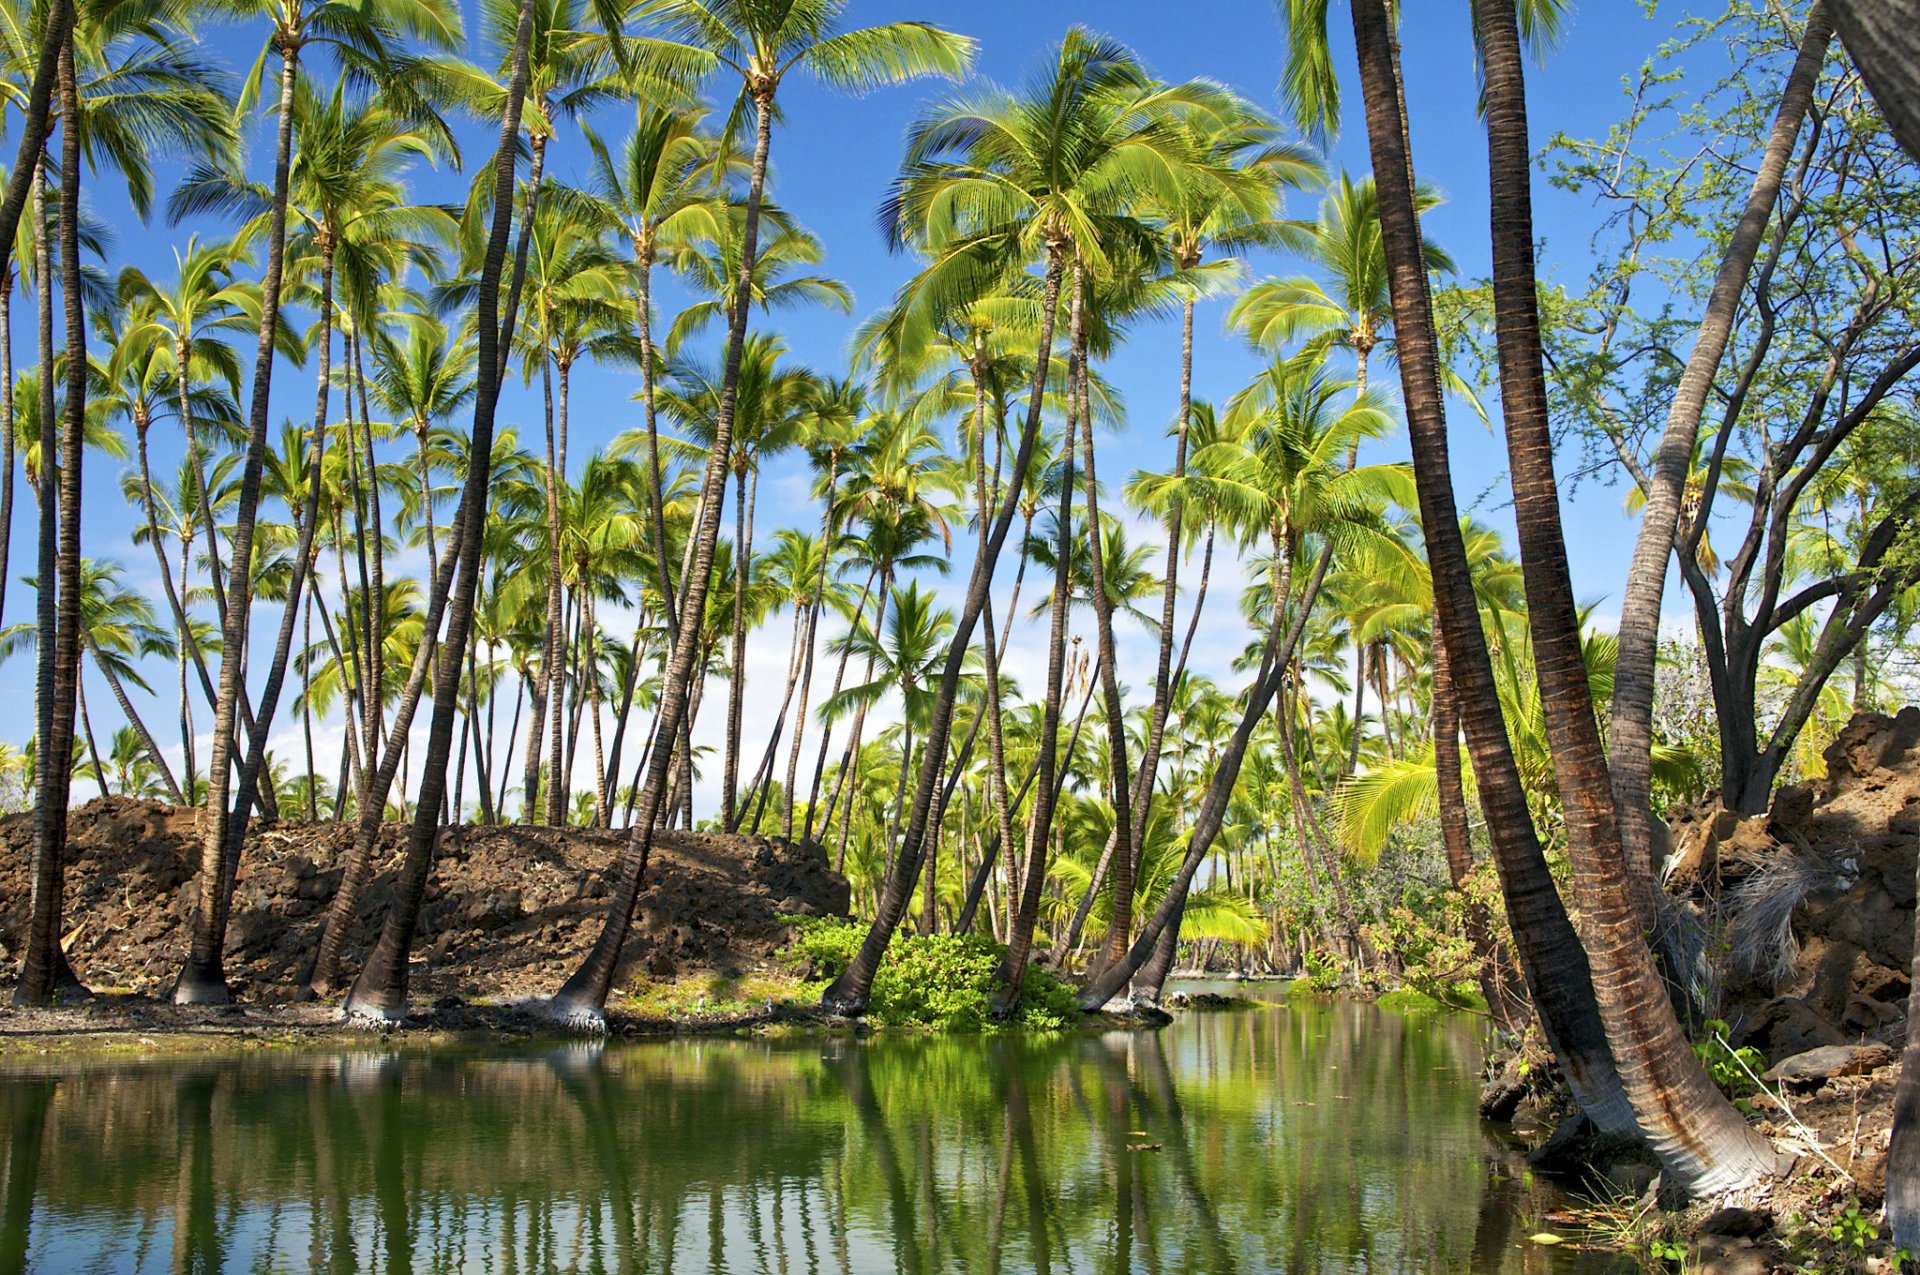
(1273, 1139)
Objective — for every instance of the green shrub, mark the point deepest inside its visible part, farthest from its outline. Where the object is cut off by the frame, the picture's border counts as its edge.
(942, 981)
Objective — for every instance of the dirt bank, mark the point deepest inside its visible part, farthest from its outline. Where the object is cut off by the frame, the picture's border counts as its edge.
(510, 911)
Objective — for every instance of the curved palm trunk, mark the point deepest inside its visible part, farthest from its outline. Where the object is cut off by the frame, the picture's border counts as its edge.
(848, 993)
(133, 719)
(375, 545)
(1630, 728)
(379, 995)
(1551, 957)
(1689, 1123)
(202, 980)
(582, 999)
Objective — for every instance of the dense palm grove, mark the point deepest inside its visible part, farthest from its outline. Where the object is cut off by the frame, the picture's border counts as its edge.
(570, 620)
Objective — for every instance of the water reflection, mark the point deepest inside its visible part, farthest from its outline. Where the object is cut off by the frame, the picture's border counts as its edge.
(1330, 1138)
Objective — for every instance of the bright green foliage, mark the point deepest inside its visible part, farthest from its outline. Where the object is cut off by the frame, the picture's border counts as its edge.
(942, 981)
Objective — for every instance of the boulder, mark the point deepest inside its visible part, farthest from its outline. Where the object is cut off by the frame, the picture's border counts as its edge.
(1814, 1067)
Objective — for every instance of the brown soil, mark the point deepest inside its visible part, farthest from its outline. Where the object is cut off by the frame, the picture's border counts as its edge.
(509, 913)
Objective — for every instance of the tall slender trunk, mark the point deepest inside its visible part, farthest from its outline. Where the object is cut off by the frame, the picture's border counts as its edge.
(816, 608)
(737, 653)
(848, 993)
(375, 545)
(582, 999)
(1630, 728)
(849, 780)
(1120, 927)
(826, 732)
(1690, 1124)
(380, 993)
(202, 979)
(554, 665)
(7, 279)
(1013, 966)
(1552, 959)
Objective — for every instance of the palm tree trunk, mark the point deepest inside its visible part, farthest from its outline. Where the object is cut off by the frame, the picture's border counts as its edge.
(1123, 782)
(1691, 1126)
(7, 275)
(554, 664)
(45, 972)
(380, 993)
(1283, 642)
(1142, 793)
(376, 545)
(849, 780)
(826, 731)
(202, 979)
(582, 999)
(737, 656)
(133, 719)
(307, 522)
(93, 745)
(816, 608)
(1013, 966)
(848, 993)
(1552, 958)
(1630, 729)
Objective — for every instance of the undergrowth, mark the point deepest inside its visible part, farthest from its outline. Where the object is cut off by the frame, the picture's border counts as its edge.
(940, 981)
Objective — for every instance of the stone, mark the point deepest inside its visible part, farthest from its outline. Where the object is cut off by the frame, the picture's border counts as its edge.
(1812, 1068)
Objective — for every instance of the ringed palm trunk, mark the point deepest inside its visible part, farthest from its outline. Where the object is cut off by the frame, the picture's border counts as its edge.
(1630, 729)
(7, 279)
(379, 995)
(1120, 926)
(848, 993)
(44, 972)
(737, 652)
(1013, 966)
(202, 979)
(1689, 1123)
(554, 666)
(815, 609)
(581, 1000)
(1551, 957)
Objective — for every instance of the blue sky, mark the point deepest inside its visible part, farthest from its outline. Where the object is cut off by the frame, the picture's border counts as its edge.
(832, 159)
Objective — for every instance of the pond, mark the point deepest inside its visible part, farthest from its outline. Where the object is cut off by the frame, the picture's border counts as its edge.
(1279, 1138)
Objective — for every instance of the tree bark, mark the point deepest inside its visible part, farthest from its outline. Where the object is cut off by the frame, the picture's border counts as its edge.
(202, 979)
(1630, 726)
(1691, 1126)
(581, 1000)
(848, 993)
(379, 995)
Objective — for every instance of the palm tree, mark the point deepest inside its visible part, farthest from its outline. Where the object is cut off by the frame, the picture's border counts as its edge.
(379, 994)
(1675, 491)
(1020, 178)
(360, 35)
(762, 46)
(118, 629)
(1689, 1123)
(1551, 957)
